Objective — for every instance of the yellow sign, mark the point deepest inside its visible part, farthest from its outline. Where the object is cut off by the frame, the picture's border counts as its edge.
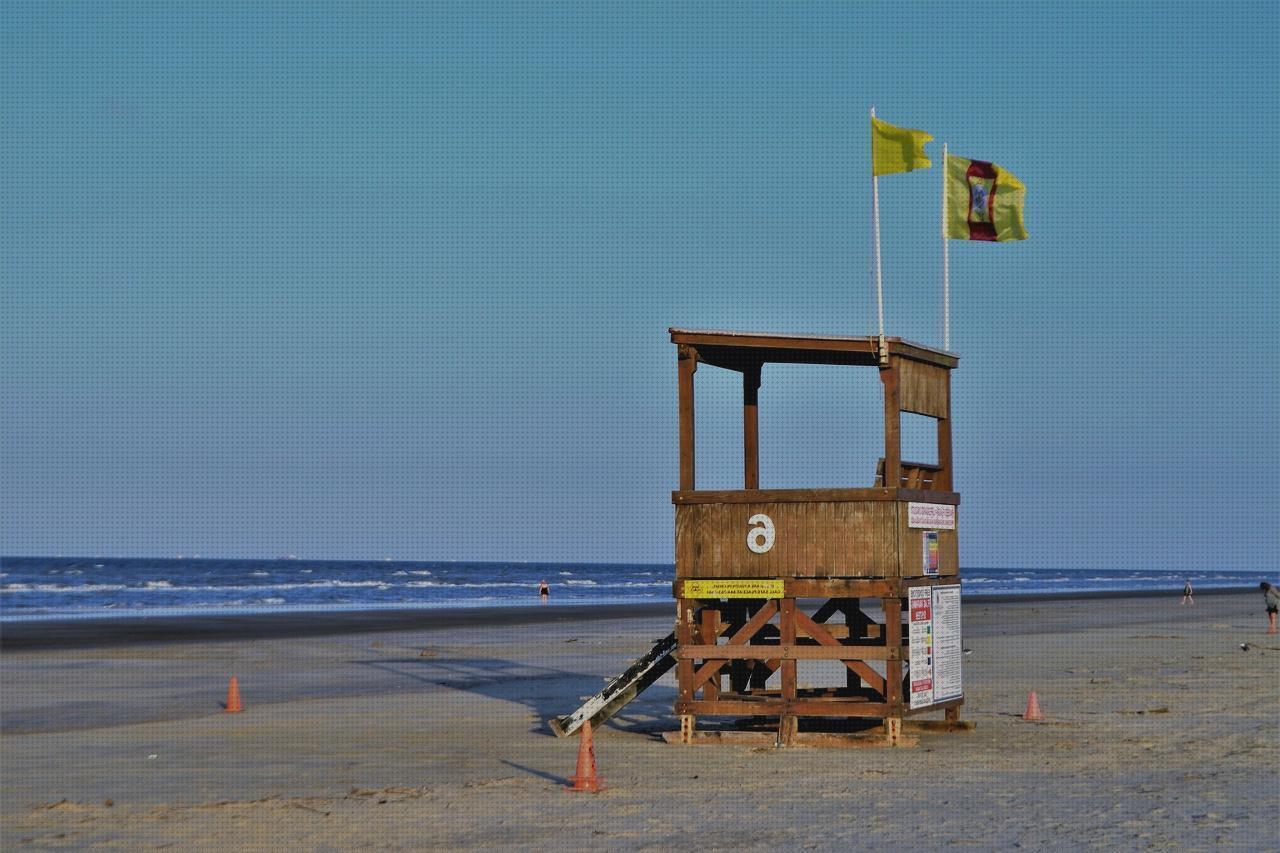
(734, 588)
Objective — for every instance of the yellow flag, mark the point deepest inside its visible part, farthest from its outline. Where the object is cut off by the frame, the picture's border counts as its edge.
(984, 201)
(897, 149)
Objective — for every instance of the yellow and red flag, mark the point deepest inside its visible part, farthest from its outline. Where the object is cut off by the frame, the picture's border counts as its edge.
(897, 149)
(984, 201)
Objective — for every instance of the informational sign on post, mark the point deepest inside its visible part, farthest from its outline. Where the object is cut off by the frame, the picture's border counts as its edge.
(934, 671)
(920, 632)
(930, 555)
(948, 651)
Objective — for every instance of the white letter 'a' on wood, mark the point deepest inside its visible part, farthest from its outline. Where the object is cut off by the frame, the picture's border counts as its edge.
(760, 536)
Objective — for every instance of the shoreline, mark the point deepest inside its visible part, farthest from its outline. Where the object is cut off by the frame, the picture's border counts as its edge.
(63, 632)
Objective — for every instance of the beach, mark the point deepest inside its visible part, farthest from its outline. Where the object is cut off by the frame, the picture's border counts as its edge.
(427, 730)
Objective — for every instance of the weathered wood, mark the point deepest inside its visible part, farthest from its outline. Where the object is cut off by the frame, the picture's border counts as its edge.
(840, 588)
(923, 388)
(741, 706)
(892, 427)
(709, 633)
(823, 740)
(835, 545)
(733, 350)
(869, 676)
(684, 638)
(751, 426)
(815, 539)
(784, 651)
(878, 493)
(893, 639)
(621, 690)
(787, 628)
(687, 361)
(710, 669)
(944, 480)
(753, 625)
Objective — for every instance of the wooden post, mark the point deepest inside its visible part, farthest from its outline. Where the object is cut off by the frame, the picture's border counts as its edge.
(893, 666)
(751, 426)
(687, 359)
(787, 637)
(684, 637)
(710, 634)
(892, 426)
(944, 482)
(856, 623)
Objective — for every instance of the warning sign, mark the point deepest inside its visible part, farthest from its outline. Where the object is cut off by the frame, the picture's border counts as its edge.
(935, 516)
(734, 588)
(920, 633)
(936, 652)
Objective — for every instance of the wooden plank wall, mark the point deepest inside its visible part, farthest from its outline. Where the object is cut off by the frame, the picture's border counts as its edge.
(923, 388)
(911, 541)
(818, 539)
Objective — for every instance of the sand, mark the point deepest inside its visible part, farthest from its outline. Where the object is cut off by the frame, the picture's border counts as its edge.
(1161, 734)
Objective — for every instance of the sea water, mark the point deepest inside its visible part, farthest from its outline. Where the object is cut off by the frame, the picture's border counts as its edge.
(58, 587)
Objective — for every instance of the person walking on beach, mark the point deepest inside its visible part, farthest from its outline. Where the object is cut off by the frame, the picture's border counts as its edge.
(544, 591)
(1271, 596)
(1188, 593)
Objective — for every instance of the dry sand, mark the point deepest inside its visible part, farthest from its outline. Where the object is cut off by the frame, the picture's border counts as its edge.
(1161, 733)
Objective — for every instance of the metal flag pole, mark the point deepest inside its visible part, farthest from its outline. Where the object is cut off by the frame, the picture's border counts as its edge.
(875, 232)
(946, 261)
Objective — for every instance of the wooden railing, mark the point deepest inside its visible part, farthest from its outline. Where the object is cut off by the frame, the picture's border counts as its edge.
(915, 475)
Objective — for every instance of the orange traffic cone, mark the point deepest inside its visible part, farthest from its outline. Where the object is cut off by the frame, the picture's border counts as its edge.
(586, 779)
(1033, 713)
(233, 697)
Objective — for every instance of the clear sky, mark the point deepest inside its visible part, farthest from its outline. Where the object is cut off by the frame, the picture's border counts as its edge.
(358, 281)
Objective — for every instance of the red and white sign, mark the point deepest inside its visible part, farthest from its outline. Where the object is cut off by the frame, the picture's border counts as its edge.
(936, 652)
(931, 516)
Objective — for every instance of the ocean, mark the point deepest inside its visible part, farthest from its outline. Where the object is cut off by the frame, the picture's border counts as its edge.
(60, 587)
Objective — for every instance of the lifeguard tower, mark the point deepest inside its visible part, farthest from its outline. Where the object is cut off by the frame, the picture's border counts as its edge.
(778, 588)
(768, 580)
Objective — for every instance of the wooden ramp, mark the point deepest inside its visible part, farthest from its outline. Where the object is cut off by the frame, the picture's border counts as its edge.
(621, 690)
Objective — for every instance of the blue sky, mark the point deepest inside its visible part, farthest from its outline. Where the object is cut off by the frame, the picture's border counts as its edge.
(358, 281)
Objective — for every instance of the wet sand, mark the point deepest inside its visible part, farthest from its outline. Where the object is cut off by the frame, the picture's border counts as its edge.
(1161, 733)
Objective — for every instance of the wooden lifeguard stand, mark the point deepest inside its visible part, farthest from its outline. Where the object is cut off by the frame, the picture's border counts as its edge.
(768, 580)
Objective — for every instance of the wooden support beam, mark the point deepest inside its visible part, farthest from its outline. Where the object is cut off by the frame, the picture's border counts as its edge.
(774, 707)
(684, 637)
(889, 377)
(787, 638)
(893, 639)
(945, 480)
(751, 426)
(710, 669)
(744, 634)
(784, 651)
(687, 360)
(842, 588)
(710, 631)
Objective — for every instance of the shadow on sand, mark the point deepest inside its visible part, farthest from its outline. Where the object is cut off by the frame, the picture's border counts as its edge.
(547, 692)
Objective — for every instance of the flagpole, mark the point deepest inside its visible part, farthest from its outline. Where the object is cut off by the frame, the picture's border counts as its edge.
(946, 261)
(875, 231)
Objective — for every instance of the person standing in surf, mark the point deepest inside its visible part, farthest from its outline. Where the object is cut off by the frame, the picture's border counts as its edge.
(1188, 594)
